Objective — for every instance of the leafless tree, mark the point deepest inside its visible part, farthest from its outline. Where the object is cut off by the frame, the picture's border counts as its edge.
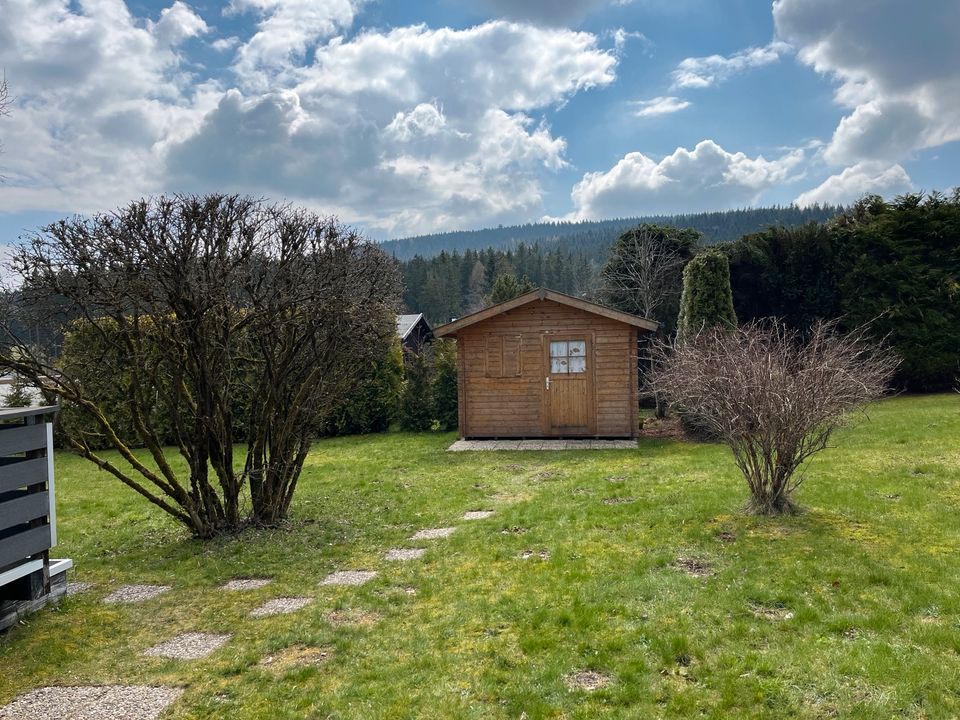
(647, 273)
(642, 275)
(5, 102)
(772, 397)
(199, 306)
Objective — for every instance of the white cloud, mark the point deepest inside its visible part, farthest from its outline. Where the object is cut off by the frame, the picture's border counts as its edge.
(406, 130)
(701, 72)
(896, 68)
(687, 180)
(855, 182)
(372, 125)
(663, 105)
(178, 23)
(96, 88)
(287, 28)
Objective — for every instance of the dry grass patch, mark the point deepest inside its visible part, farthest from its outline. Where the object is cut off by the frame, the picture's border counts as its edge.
(587, 680)
(775, 613)
(296, 656)
(693, 566)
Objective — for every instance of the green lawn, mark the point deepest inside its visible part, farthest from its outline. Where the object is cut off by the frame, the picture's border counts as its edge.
(851, 609)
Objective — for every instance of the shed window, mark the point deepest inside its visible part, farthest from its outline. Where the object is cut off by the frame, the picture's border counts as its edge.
(568, 356)
(504, 356)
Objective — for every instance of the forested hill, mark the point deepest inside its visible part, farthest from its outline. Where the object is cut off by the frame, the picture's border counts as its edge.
(593, 237)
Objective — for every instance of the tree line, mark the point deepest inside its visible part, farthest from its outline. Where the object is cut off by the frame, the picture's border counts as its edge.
(594, 237)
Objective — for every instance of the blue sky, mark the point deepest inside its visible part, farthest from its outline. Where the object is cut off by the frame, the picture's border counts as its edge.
(410, 117)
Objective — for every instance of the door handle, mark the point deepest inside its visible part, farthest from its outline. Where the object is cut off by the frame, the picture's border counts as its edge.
(547, 379)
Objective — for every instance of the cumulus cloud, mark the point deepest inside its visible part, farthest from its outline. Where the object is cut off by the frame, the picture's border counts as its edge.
(855, 182)
(287, 28)
(371, 125)
(96, 88)
(706, 177)
(895, 68)
(701, 72)
(178, 23)
(663, 105)
(405, 130)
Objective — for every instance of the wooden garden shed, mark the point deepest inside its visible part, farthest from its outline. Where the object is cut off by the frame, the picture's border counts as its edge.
(546, 364)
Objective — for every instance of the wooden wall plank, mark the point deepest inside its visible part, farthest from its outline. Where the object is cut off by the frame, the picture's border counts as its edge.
(22, 438)
(22, 472)
(23, 508)
(18, 547)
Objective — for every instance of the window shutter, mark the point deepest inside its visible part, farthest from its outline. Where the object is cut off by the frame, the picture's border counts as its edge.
(503, 356)
(494, 356)
(511, 356)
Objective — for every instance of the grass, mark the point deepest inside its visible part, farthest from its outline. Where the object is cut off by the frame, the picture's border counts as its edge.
(851, 609)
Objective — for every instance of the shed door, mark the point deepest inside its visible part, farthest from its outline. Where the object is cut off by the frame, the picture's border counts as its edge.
(568, 386)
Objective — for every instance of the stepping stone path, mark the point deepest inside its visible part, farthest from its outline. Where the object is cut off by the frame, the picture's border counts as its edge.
(75, 588)
(433, 533)
(281, 606)
(189, 646)
(135, 593)
(130, 702)
(134, 702)
(404, 554)
(246, 584)
(349, 577)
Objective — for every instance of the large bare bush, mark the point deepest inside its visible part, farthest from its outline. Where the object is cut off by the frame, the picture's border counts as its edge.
(775, 398)
(199, 307)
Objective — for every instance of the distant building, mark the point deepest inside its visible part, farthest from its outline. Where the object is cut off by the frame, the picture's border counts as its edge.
(8, 382)
(414, 331)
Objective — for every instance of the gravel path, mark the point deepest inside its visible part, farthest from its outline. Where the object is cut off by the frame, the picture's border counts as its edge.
(75, 588)
(349, 577)
(135, 593)
(105, 702)
(189, 646)
(404, 554)
(433, 533)
(246, 584)
(477, 514)
(281, 606)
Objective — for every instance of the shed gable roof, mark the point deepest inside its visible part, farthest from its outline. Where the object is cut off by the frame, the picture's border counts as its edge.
(406, 323)
(452, 328)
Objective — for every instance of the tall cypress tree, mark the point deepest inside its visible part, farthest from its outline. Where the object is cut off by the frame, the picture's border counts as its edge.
(707, 299)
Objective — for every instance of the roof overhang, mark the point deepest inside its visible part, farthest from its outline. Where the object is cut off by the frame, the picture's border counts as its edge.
(452, 328)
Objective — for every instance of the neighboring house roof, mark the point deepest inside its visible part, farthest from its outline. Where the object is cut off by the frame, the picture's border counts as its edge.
(452, 328)
(406, 324)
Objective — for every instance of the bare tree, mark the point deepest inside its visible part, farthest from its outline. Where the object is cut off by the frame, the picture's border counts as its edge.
(200, 308)
(647, 271)
(5, 102)
(643, 276)
(772, 397)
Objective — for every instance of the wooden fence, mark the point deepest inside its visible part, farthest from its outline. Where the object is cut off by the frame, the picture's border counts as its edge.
(28, 519)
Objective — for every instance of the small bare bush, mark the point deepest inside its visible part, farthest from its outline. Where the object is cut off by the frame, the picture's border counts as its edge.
(772, 396)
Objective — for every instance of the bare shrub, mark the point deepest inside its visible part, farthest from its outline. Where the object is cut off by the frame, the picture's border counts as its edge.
(772, 396)
(201, 309)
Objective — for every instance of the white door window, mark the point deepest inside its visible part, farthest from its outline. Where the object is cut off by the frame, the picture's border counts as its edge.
(568, 357)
